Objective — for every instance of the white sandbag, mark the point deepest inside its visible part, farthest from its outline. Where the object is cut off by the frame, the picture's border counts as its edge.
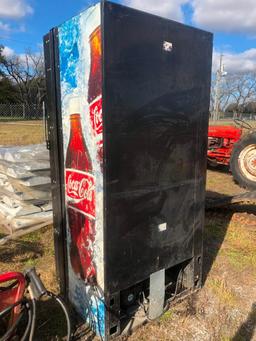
(24, 153)
(15, 209)
(25, 187)
(36, 165)
(3, 179)
(33, 219)
(3, 150)
(39, 192)
(36, 180)
(22, 171)
(30, 195)
(46, 207)
(18, 172)
(17, 233)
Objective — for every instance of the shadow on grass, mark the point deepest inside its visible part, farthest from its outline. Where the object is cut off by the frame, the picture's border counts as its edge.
(219, 169)
(20, 250)
(246, 330)
(51, 322)
(216, 225)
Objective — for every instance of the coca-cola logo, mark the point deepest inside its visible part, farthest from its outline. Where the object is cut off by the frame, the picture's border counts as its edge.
(81, 189)
(96, 115)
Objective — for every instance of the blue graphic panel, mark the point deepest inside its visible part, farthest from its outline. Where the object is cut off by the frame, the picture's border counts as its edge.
(69, 53)
(75, 37)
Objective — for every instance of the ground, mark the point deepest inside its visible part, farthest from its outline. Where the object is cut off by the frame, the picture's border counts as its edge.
(224, 309)
(21, 133)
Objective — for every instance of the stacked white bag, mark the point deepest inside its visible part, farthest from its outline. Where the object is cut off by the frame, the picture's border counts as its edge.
(25, 187)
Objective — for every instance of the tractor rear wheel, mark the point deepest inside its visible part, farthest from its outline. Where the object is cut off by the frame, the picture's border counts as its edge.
(243, 161)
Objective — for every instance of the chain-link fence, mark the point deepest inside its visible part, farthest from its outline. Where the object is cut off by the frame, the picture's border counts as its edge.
(227, 116)
(21, 112)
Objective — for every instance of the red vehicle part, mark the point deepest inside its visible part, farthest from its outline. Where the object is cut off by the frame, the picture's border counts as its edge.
(220, 143)
(12, 292)
(12, 298)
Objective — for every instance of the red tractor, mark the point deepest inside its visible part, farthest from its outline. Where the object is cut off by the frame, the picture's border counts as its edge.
(236, 147)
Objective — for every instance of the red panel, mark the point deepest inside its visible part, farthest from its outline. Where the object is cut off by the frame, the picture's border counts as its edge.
(228, 135)
(225, 132)
(14, 294)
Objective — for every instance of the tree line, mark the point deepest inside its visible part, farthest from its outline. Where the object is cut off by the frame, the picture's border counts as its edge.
(22, 78)
(237, 94)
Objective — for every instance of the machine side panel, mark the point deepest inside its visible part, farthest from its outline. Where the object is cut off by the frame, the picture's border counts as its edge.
(81, 98)
(53, 117)
(156, 95)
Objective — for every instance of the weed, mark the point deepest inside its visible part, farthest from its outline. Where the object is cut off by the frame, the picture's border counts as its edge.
(31, 262)
(222, 291)
(167, 316)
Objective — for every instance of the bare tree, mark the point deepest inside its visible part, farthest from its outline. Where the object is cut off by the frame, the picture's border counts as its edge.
(243, 90)
(26, 72)
(225, 94)
(238, 89)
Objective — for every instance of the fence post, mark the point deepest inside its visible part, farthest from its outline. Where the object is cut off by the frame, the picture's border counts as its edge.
(23, 109)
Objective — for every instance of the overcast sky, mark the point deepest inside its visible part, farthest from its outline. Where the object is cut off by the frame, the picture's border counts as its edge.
(233, 22)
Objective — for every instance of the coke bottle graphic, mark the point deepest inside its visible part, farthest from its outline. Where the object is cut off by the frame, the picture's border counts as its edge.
(80, 192)
(95, 90)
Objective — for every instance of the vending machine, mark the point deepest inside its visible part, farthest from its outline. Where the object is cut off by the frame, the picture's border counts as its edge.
(127, 109)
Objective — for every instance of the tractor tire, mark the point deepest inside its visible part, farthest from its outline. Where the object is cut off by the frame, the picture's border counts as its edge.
(243, 161)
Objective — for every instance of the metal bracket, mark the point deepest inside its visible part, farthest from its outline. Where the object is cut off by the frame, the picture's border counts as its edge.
(156, 294)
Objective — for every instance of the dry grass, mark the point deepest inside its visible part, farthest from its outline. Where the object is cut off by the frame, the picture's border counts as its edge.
(35, 249)
(222, 291)
(21, 133)
(223, 310)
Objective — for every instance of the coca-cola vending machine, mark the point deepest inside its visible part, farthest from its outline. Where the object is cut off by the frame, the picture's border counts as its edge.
(127, 110)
